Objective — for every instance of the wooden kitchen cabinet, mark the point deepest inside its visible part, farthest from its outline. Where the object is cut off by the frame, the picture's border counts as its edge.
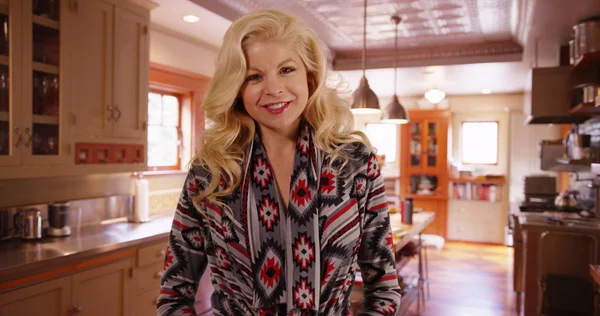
(106, 290)
(50, 298)
(32, 83)
(424, 164)
(110, 68)
(77, 73)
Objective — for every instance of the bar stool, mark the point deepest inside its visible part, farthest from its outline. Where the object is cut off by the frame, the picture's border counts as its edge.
(433, 242)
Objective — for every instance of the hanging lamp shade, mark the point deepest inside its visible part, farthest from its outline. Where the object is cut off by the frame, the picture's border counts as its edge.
(364, 101)
(395, 113)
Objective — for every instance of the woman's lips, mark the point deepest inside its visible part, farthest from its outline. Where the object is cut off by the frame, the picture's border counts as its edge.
(277, 108)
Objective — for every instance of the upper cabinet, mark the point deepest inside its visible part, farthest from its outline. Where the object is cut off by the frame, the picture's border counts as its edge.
(73, 74)
(110, 93)
(32, 64)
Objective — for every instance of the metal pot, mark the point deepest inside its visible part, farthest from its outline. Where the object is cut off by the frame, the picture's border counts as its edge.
(587, 37)
(566, 200)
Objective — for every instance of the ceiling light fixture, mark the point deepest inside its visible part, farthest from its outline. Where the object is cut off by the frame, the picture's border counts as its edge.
(191, 18)
(486, 91)
(395, 113)
(365, 100)
(435, 95)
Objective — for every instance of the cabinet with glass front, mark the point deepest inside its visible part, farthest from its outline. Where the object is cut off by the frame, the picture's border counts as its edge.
(424, 170)
(31, 84)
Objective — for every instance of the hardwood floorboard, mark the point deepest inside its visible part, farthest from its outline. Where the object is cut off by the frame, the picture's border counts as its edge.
(468, 279)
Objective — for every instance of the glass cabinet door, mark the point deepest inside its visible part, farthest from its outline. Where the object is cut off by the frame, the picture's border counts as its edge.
(5, 126)
(416, 150)
(43, 137)
(432, 144)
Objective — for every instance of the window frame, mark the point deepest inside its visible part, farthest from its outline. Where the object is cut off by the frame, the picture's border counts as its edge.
(180, 99)
(462, 143)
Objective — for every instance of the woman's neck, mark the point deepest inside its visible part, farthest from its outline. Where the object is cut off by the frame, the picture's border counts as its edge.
(282, 140)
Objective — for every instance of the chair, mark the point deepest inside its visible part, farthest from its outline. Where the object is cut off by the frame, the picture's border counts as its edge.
(563, 263)
(432, 242)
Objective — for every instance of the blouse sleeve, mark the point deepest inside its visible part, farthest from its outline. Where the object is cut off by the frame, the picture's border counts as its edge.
(375, 256)
(185, 259)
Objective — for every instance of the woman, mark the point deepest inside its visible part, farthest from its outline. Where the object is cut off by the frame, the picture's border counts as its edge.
(284, 198)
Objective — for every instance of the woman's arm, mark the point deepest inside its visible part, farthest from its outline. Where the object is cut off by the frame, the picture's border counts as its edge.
(375, 256)
(185, 259)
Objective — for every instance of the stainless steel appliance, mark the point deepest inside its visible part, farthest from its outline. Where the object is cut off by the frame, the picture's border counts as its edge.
(540, 194)
(32, 224)
(58, 219)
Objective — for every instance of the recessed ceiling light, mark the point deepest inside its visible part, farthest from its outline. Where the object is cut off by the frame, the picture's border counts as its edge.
(486, 91)
(191, 18)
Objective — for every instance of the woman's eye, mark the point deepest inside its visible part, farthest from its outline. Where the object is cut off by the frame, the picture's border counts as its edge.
(286, 70)
(252, 77)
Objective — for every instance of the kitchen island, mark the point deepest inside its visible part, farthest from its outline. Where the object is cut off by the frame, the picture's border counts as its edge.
(557, 247)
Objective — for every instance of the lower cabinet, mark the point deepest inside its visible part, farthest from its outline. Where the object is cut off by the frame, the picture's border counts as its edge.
(476, 221)
(99, 291)
(50, 298)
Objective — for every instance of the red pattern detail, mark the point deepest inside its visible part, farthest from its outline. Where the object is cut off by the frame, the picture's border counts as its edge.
(304, 251)
(268, 213)
(329, 178)
(340, 213)
(270, 272)
(372, 167)
(193, 186)
(389, 241)
(301, 193)
(262, 179)
(329, 267)
(222, 258)
(384, 307)
(304, 295)
(168, 258)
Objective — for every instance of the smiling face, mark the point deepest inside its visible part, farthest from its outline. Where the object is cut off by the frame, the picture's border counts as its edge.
(275, 91)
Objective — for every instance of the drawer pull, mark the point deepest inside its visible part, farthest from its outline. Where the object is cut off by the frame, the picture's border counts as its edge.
(159, 275)
(161, 253)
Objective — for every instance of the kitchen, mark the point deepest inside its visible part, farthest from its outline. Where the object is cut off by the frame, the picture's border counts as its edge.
(101, 110)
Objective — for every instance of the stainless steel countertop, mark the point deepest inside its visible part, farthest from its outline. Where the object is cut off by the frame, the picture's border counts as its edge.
(20, 258)
(557, 221)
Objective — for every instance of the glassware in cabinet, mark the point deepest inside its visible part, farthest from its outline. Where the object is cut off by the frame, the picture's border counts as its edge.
(415, 144)
(45, 106)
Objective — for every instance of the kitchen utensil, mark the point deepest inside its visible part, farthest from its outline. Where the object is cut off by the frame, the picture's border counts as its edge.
(566, 200)
(587, 36)
(32, 224)
(58, 219)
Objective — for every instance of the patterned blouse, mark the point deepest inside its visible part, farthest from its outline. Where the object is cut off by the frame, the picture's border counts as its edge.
(296, 260)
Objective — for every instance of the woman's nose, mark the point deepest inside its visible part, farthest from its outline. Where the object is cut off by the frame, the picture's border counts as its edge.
(274, 86)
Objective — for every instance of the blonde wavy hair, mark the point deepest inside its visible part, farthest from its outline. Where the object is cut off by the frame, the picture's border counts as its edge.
(225, 140)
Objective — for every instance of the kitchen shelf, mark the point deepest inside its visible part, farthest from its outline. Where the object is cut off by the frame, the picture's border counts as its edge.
(51, 69)
(587, 61)
(585, 108)
(480, 180)
(45, 119)
(40, 20)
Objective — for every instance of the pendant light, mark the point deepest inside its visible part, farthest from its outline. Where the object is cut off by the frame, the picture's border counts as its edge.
(395, 113)
(364, 99)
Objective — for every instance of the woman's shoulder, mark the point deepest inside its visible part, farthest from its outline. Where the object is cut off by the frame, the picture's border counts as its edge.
(357, 151)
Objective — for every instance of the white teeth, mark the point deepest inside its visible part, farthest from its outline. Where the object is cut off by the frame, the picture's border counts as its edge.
(277, 106)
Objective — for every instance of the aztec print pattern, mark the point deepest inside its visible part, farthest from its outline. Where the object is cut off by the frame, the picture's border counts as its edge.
(261, 254)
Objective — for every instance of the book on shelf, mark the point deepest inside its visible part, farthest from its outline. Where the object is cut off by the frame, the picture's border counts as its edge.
(477, 192)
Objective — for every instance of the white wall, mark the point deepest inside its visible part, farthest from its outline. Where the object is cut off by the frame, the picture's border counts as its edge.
(170, 49)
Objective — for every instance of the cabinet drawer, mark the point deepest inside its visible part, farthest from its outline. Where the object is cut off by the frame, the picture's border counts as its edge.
(150, 254)
(144, 303)
(148, 276)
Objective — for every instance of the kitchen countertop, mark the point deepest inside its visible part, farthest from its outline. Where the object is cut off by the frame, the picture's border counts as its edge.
(557, 221)
(21, 258)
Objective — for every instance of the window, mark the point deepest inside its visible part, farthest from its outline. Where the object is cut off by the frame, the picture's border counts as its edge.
(164, 130)
(479, 143)
(383, 137)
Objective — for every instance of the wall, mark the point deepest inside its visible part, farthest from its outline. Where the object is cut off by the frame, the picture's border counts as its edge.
(166, 48)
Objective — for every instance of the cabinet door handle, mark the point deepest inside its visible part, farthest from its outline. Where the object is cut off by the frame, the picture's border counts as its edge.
(19, 135)
(110, 113)
(161, 253)
(118, 113)
(28, 132)
(159, 275)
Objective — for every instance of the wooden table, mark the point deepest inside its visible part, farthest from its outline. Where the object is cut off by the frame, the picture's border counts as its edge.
(402, 234)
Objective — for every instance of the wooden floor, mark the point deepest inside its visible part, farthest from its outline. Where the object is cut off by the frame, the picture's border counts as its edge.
(468, 279)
